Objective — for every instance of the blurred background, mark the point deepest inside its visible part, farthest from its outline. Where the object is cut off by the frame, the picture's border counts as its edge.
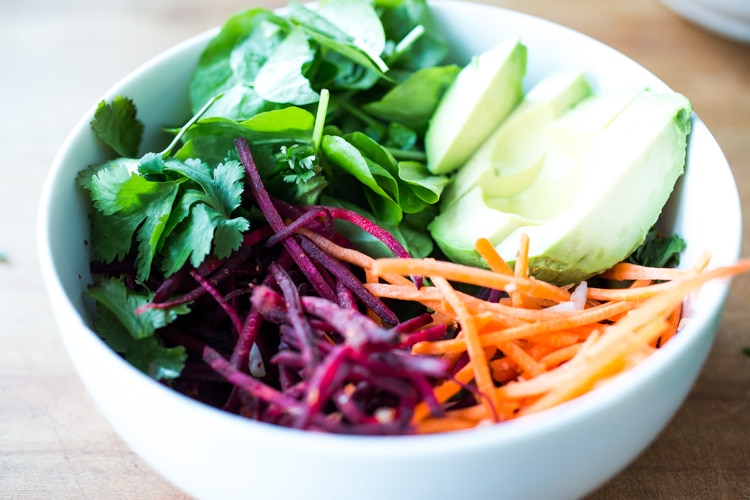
(56, 60)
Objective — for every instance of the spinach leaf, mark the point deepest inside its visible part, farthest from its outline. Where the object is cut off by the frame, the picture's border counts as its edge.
(359, 38)
(658, 250)
(231, 62)
(400, 19)
(381, 186)
(281, 78)
(413, 101)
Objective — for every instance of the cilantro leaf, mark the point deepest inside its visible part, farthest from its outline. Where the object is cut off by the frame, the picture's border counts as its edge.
(116, 125)
(174, 210)
(301, 173)
(161, 363)
(134, 205)
(221, 185)
(131, 333)
(191, 239)
(202, 217)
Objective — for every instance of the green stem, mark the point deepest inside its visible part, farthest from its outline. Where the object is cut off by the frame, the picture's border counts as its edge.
(320, 118)
(189, 124)
(401, 154)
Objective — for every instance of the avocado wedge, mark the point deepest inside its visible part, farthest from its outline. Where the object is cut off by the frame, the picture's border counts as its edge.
(481, 96)
(609, 167)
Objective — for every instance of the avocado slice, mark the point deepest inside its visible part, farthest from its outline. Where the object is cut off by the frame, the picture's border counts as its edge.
(481, 96)
(510, 159)
(462, 223)
(609, 167)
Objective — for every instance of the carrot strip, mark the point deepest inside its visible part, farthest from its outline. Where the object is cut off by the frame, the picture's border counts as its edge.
(349, 255)
(645, 292)
(528, 364)
(674, 324)
(627, 271)
(445, 391)
(521, 269)
(469, 275)
(475, 413)
(490, 256)
(561, 355)
(504, 369)
(444, 424)
(475, 349)
(563, 338)
(575, 319)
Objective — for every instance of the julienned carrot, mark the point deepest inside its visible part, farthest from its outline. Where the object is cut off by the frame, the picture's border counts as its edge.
(565, 321)
(547, 355)
(349, 255)
(521, 270)
(528, 365)
(604, 354)
(469, 275)
(626, 271)
(561, 355)
(553, 345)
(490, 256)
(476, 353)
(445, 391)
(644, 292)
(675, 318)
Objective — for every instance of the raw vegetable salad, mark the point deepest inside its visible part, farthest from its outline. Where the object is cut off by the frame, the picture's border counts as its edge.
(273, 260)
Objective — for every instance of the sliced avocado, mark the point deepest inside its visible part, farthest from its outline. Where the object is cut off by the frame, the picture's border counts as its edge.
(462, 223)
(510, 159)
(609, 168)
(481, 96)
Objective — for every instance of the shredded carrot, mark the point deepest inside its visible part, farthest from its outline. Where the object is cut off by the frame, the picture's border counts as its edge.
(445, 391)
(674, 320)
(521, 270)
(626, 271)
(529, 366)
(469, 275)
(540, 345)
(444, 424)
(493, 259)
(561, 355)
(474, 347)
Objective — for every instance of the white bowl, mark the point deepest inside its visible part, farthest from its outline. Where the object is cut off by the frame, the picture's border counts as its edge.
(728, 18)
(562, 453)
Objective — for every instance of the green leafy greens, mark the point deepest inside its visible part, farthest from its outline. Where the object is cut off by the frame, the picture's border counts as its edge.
(334, 101)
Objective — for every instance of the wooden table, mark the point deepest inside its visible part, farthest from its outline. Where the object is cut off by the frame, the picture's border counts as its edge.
(57, 58)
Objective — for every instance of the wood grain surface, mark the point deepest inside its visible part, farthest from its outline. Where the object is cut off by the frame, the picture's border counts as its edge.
(58, 57)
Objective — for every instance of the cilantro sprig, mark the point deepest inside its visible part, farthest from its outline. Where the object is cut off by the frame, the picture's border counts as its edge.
(164, 209)
(132, 333)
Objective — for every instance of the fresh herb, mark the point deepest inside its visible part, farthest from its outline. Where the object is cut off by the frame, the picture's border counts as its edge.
(658, 250)
(115, 123)
(133, 334)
